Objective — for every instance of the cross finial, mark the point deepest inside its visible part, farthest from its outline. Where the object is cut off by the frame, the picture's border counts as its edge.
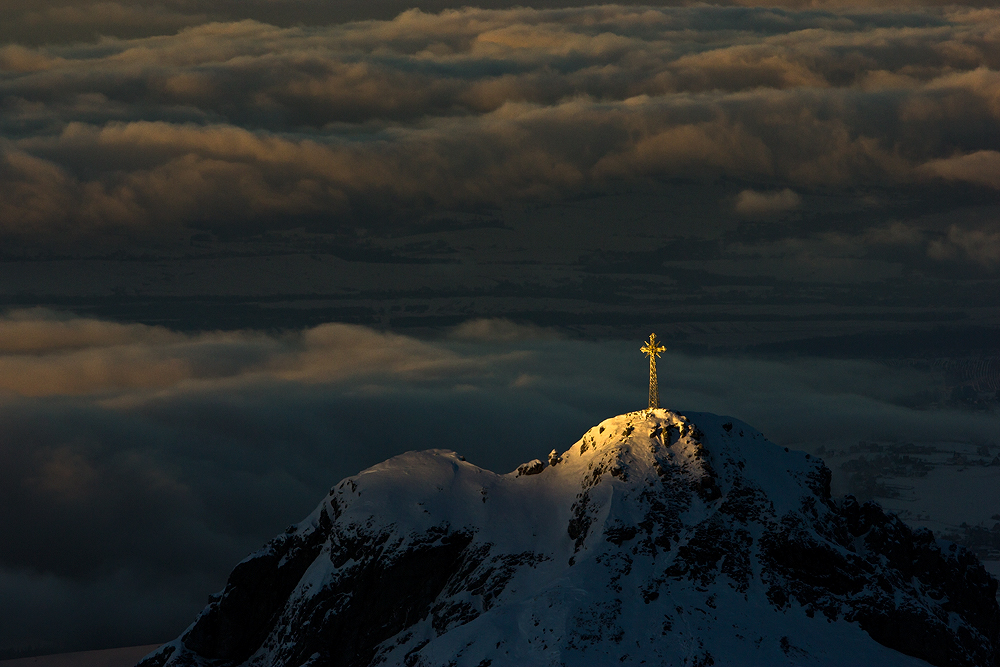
(652, 349)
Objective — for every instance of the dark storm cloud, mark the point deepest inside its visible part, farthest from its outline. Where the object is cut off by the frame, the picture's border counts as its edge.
(233, 123)
(138, 464)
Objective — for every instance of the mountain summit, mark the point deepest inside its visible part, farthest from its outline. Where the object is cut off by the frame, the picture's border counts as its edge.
(656, 539)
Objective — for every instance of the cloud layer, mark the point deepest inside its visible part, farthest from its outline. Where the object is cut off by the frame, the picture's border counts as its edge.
(139, 464)
(751, 203)
(241, 124)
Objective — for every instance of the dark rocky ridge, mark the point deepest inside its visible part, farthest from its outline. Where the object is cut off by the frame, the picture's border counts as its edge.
(656, 539)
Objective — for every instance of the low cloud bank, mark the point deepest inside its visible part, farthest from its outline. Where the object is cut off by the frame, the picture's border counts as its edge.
(245, 125)
(751, 203)
(61, 21)
(132, 493)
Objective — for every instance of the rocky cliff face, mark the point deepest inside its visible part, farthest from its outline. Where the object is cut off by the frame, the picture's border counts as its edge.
(655, 539)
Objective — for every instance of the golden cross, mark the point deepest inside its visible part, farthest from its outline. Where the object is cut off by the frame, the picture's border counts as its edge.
(652, 349)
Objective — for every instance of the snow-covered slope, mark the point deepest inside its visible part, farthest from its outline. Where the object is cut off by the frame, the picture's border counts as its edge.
(656, 539)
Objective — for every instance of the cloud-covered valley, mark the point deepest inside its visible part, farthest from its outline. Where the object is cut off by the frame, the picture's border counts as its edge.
(139, 464)
(243, 125)
(215, 187)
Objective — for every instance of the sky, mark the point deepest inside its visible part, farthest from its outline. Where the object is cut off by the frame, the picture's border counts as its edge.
(249, 248)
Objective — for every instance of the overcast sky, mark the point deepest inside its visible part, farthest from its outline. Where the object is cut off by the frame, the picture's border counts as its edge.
(837, 148)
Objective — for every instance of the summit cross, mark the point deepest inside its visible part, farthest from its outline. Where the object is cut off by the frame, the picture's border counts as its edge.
(652, 349)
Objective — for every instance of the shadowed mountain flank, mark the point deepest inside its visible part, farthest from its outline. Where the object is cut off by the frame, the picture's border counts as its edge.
(657, 538)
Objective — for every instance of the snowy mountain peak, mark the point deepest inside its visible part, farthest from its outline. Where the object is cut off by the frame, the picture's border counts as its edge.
(657, 538)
